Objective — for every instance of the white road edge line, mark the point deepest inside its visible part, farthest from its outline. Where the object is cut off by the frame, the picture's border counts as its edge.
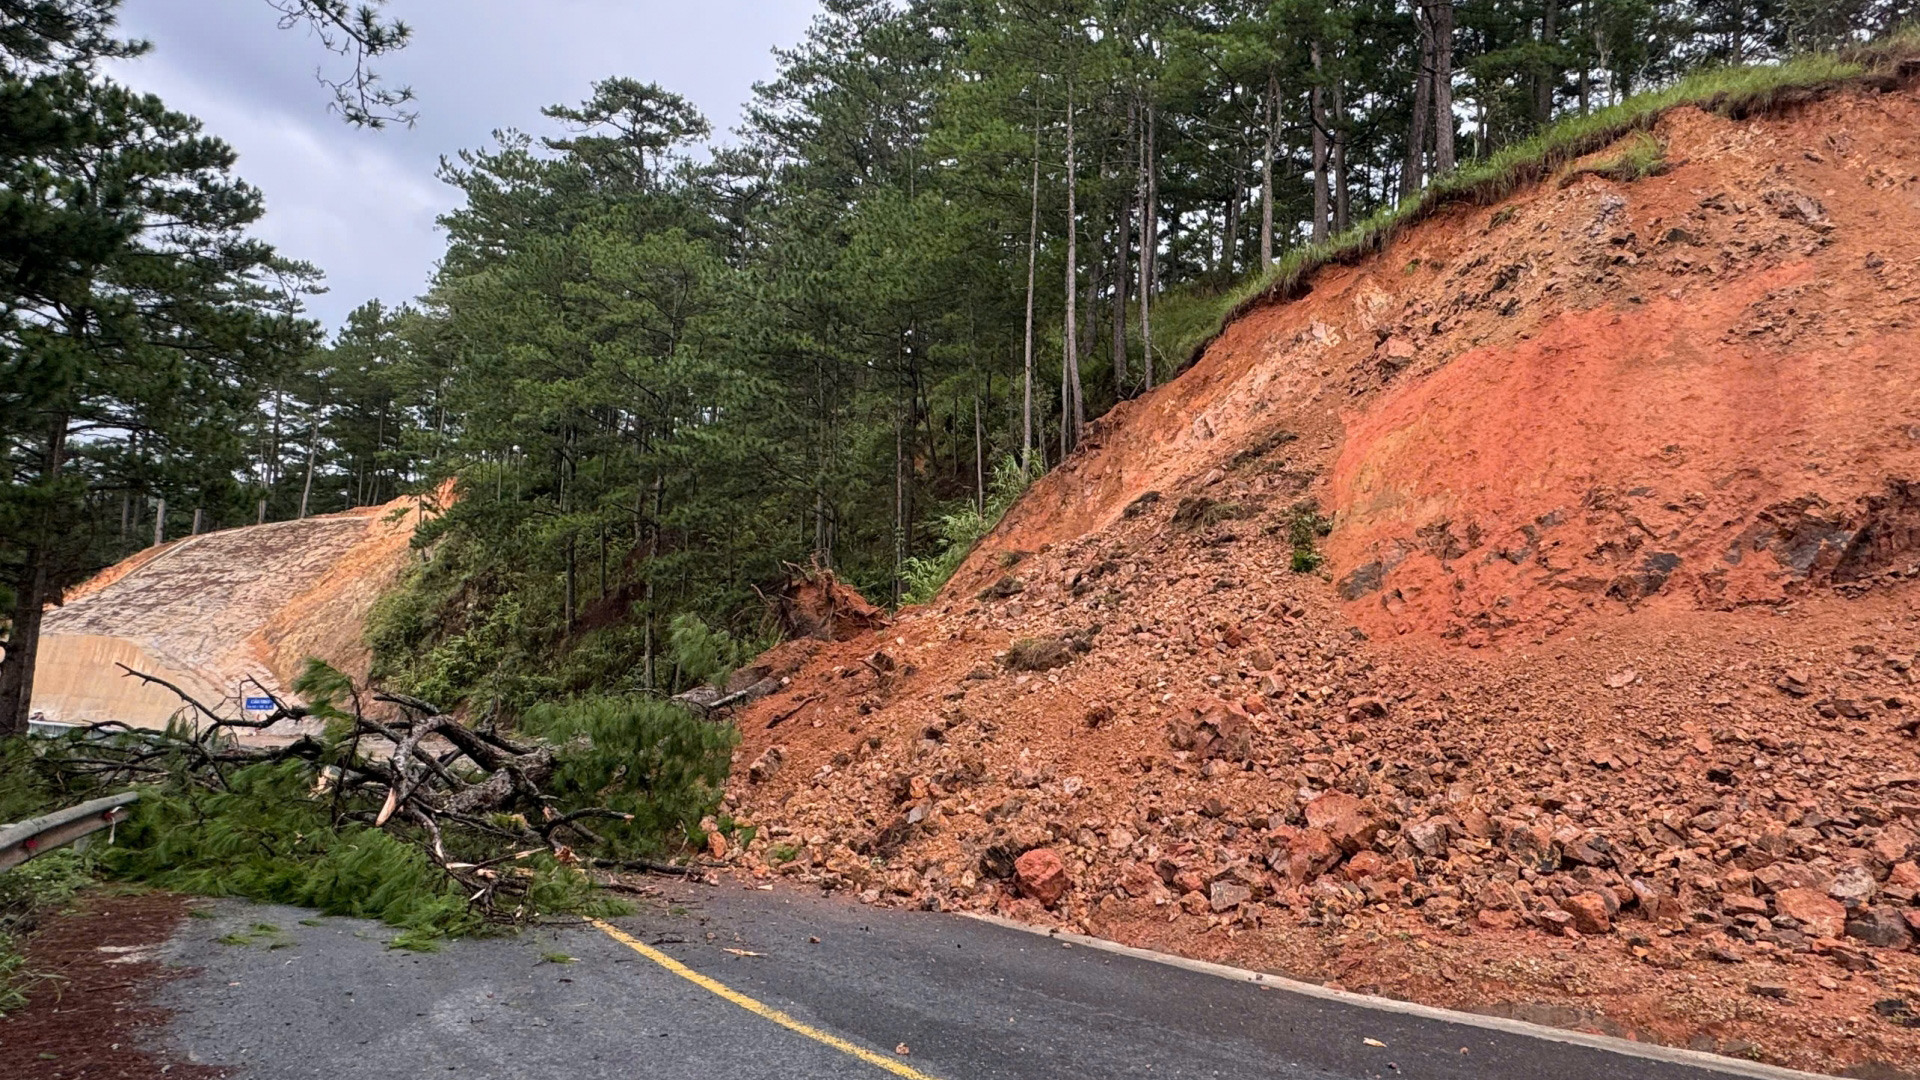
(1650, 1051)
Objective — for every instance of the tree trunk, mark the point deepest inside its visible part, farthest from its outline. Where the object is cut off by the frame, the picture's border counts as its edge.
(1341, 199)
(33, 588)
(1319, 111)
(899, 496)
(1266, 172)
(23, 646)
(1413, 170)
(979, 458)
(1073, 415)
(1033, 249)
(1548, 75)
(1149, 240)
(313, 444)
(1440, 15)
(568, 600)
(160, 523)
(653, 553)
(1122, 240)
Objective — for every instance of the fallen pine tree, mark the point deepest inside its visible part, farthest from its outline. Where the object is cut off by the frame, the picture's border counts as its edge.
(397, 810)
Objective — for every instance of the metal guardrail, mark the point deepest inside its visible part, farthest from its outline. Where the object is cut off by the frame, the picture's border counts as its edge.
(23, 840)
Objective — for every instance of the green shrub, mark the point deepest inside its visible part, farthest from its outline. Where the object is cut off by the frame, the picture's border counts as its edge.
(1305, 527)
(27, 787)
(703, 654)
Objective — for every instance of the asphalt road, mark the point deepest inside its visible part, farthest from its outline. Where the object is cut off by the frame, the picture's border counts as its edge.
(322, 997)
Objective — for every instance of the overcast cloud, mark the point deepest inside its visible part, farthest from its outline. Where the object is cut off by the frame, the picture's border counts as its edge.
(361, 204)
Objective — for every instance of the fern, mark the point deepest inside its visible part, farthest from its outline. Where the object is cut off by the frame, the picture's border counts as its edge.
(959, 531)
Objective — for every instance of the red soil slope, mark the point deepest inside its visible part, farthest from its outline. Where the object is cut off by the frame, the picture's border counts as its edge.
(1600, 711)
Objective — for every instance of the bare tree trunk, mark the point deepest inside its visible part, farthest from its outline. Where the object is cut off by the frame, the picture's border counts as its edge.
(199, 516)
(1122, 240)
(1149, 238)
(1440, 14)
(653, 553)
(567, 601)
(1319, 152)
(1033, 248)
(160, 523)
(899, 497)
(979, 458)
(1548, 75)
(1266, 172)
(1413, 170)
(23, 647)
(313, 444)
(1341, 199)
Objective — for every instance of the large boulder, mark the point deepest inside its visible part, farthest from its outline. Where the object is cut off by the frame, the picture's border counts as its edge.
(1041, 875)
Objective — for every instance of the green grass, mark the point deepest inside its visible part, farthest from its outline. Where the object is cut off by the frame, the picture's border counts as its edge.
(1641, 155)
(29, 892)
(1195, 320)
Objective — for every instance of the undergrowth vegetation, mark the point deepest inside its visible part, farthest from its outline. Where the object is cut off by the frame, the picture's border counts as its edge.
(453, 633)
(961, 530)
(28, 893)
(1192, 322)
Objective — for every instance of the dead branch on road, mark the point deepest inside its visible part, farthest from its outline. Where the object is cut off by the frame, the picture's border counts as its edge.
(422, 774)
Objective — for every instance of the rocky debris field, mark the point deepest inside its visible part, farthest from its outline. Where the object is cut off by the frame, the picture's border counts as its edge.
(1178, 699)
(1257, 782)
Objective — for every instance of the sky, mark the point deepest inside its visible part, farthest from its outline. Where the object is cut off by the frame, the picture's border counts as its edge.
(361, 204)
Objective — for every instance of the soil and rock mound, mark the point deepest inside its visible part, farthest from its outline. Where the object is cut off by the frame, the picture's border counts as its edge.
(1523, 620)
(221, 615)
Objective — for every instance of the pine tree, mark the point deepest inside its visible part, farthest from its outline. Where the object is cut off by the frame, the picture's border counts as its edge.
(140, 324)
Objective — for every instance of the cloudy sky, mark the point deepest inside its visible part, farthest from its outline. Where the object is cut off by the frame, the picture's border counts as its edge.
(361, 204)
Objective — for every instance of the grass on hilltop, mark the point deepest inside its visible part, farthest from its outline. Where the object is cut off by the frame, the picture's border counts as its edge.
(1737, 92)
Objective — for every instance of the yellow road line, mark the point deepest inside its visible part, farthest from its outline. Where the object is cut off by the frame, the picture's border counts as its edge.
(757, 1008)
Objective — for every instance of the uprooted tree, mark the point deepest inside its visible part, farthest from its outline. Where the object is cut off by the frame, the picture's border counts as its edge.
(400, 810)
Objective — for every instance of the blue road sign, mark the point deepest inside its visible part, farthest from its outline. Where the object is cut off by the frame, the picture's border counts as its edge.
(259, 704)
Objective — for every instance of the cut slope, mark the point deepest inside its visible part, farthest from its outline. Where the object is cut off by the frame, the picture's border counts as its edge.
(1647, 445)
(220, 613)
(1697, 386)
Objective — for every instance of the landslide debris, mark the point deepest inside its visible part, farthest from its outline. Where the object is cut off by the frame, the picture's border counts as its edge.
(1594, 704)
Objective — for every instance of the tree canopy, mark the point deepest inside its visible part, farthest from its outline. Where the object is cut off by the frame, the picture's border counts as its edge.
(662, 370)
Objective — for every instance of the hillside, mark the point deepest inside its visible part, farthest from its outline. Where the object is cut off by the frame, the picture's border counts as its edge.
(220, 612)
(1599, 709)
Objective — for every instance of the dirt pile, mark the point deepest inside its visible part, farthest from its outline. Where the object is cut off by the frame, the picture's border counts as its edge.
(220, 614)
(1600, 710)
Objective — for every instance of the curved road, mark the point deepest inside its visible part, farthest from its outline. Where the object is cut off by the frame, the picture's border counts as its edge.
(747, 984)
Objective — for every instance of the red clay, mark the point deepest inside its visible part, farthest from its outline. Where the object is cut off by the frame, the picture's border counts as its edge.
(1617, 627)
